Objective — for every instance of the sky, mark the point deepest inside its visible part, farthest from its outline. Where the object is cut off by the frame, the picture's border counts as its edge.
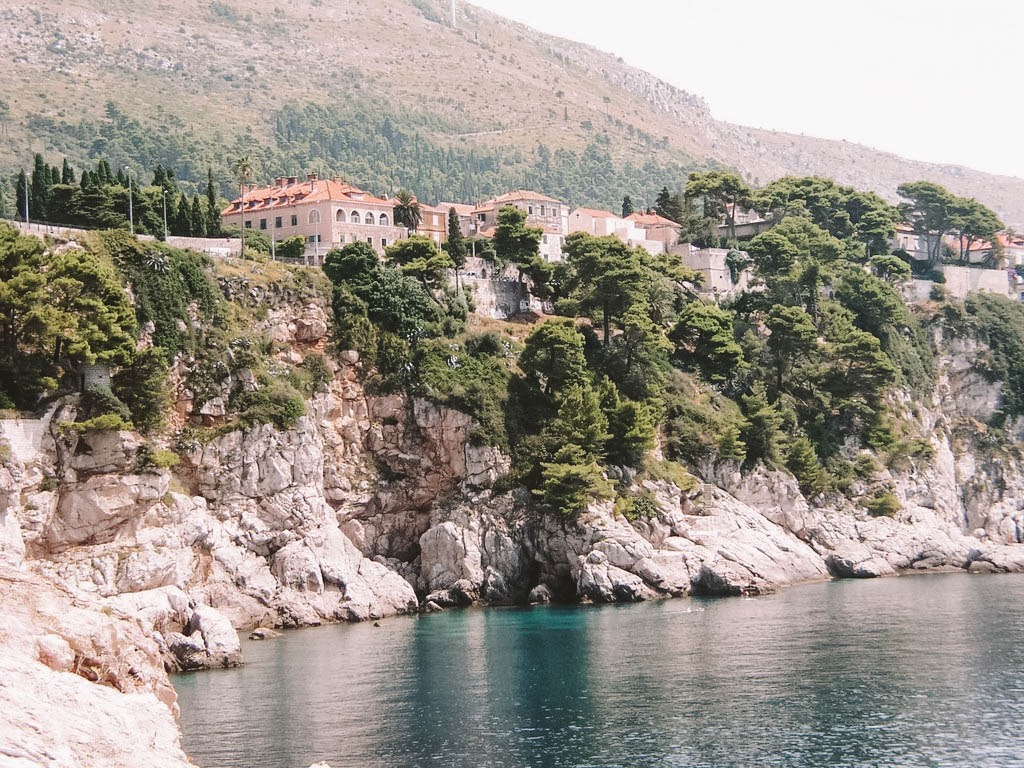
(930, 80)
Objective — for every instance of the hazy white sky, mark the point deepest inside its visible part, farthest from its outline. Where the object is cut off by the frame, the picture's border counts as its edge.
(933, 80)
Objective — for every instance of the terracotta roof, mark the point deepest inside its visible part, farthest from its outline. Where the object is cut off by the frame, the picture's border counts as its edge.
(651, 220)
(523, 194)
(308, 191)
(463, 209)
(594, 213)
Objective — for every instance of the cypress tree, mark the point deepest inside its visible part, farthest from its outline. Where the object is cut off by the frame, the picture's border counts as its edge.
(55, 176)
(456, 245)
(627, 206)
(212, 209)
(159, 177)
(40, 188)
(104, 176)
(21, 194)
(88, 179)
(182, 226)
(67, 173)
(122, 180)
(198, 221)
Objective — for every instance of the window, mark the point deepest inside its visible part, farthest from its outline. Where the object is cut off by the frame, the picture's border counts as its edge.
(542, 211)
(369, 240)
(383, 242)
(368, 218)
(435, 220)
(277, 223)
(356, 218)
(248, 225)
(314, 216)
(545, 239)
(384, 220)
(529, 210)
(295, 220)
(263, 223)
(340, 216)
(481, 217)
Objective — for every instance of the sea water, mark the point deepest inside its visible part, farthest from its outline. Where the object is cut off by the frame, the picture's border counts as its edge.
(911, 671)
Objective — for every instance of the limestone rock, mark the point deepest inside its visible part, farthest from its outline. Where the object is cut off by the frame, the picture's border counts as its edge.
(219, 638)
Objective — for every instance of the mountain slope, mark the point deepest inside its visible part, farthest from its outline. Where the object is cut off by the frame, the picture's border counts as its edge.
(219, 72)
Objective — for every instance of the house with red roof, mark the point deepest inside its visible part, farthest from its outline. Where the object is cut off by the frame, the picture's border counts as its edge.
(658, 228)
(326, 213)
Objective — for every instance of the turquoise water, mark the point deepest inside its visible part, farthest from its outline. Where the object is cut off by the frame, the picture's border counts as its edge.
(915, 671)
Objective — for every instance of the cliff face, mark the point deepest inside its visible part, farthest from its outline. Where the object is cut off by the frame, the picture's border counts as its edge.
(376, 505)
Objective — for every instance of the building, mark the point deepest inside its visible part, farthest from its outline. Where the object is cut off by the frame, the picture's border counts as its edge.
(433, 223)
(465, 213)
(713, 265)
(747, 224)
(327, 213)
(658, 228)
(550, 215)
(606, 224)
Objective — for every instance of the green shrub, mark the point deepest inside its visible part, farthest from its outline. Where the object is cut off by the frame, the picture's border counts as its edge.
(277, 403)
(101, 401)
(938, 293)
(882, 504)
(639, 507)
(160, 458)
(103, 423)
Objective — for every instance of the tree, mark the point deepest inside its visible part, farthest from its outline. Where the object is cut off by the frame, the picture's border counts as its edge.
(579, 422)
(722, 193)
(40, 189)
(704, 340)
(196, 218)
(293, 247)
(792, 336)
(874, 302)
(22, 195)
(892, 269)
(669, 206)
(456, 245)
(570, 482)
(355, 264)
(972, 221)
(763, 422)
(142, 385)
(419, 257)
(929, 212)
(212, 209)
(627, 206)
(182, 224)
(607, 277)
(514, 242)
(67, 174)
(407, 210)
(552, 357)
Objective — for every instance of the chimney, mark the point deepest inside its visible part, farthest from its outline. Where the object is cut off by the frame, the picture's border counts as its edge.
(293, 179)
(280, 181)
(311, 176)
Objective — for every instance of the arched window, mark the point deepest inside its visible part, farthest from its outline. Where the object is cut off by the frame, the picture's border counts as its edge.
(369, 217)
(356, 218)
(340, 216)
(314, 216)
(384, 220)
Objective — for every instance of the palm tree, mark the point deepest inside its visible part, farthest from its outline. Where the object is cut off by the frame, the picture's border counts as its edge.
(407, 210)
(243, 172)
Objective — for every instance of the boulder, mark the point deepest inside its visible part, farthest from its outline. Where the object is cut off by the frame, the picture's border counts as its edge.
(219, 638)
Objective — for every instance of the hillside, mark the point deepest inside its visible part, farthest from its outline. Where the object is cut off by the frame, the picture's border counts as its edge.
(466, 109)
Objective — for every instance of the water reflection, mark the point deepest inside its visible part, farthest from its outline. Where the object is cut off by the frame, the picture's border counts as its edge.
(901, 672)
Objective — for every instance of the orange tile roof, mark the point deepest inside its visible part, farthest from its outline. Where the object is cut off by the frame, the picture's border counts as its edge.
(307, 191)
(523, 194)
(651, 219)
(463, 209)
(594, 213)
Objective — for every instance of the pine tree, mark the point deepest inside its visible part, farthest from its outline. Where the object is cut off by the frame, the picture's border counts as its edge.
(67, 173)
(198, 221)
(730, 446)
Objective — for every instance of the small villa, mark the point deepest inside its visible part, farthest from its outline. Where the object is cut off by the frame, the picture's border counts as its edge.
(327, 213)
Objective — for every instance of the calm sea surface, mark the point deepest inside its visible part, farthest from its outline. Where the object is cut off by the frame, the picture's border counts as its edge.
(914, 671)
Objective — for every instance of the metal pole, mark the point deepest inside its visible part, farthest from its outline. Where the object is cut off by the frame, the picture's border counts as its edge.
(164, 193)
(131, 210)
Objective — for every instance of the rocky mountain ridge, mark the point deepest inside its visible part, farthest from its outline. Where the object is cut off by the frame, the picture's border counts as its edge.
(220, 69)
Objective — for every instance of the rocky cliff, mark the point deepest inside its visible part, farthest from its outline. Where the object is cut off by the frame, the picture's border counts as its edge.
(372, 505)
